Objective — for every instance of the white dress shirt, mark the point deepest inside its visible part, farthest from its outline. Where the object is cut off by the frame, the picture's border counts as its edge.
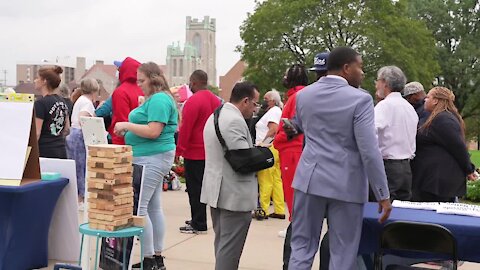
(396, 125)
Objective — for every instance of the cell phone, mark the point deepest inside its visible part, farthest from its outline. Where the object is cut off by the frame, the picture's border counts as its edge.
(289, 125)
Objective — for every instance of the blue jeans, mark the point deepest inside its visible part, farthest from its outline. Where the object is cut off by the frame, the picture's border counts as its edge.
(155, 168)
(76, 151)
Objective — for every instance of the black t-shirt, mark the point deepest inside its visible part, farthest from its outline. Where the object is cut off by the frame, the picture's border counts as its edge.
(69, 104)
(54, 112)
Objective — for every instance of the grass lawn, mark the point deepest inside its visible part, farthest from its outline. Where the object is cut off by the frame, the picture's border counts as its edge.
(475, 157)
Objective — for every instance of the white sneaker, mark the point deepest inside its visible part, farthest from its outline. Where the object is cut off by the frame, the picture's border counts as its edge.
(282, 234)
(81, 206)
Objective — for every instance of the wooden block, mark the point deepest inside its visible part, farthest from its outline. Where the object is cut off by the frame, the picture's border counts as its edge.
(109, 207)
(113, 223)
(138, 221)
(116, 190)
(110, 176)
(123, 201)
(118, 159)
(109, 228)
(106, 165)
(115, 148)
(115, 212)
(110, 196)
(119, 170)
(109, 218)
(105, 186)
(118, 181)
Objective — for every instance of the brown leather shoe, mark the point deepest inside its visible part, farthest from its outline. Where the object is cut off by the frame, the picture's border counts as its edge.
(275, 215)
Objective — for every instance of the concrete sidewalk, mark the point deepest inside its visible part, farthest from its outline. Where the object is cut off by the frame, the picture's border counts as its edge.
(263, 249)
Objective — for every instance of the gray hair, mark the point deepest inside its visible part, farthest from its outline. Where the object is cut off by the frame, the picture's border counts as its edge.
(275, 96)
(64, 90)
(393, 77)
(89, 85)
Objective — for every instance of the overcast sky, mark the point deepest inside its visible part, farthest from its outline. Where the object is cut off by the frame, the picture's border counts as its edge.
(32, 30)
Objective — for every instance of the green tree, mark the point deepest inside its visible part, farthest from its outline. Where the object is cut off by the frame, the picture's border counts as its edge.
(455, 25)
(282, 32)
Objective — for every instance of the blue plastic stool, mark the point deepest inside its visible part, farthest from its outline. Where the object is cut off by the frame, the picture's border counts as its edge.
(127, 232)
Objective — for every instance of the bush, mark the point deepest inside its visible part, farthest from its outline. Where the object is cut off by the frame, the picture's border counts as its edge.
(473, 191)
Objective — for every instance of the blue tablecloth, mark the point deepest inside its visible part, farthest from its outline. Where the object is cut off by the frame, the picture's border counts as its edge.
(25, 214)
(465, 229)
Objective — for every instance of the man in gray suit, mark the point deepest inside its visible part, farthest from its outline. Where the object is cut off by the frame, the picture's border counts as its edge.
(230, 195)
(341, 152)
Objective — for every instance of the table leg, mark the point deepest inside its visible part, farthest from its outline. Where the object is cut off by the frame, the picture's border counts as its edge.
(125, 263)
(81, 249)
(141, 250)
(96, 253)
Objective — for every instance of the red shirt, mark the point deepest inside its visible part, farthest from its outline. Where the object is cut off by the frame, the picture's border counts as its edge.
(125, 97)
(281, 142)
(196, 111)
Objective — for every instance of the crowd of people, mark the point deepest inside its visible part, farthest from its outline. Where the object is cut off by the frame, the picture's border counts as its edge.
(333, 147)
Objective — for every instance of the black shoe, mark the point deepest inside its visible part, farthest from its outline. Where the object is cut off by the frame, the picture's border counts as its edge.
(275, 215)
(189, 229)
(160, 263)
(259, 214)
(188, 222)
(148, 264)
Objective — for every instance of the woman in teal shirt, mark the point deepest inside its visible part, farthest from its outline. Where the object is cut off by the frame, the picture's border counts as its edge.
(150, 132)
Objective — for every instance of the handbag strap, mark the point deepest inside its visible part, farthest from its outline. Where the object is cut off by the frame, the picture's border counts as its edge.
(216, 114)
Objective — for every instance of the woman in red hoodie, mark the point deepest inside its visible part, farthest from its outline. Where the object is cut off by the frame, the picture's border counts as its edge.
(290, 151)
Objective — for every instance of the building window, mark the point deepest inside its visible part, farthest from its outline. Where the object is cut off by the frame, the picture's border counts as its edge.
(174, 67)
(197, 42)
(181, 67)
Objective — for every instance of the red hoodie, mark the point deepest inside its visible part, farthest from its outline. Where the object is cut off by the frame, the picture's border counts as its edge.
(125, 97)
(195, 112)
(281, 142)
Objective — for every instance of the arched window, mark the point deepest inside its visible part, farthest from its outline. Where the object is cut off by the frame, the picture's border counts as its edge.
(174, 67)
(197, 42)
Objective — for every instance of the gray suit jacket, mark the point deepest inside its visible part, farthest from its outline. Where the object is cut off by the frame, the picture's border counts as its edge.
(341, 149)
(222, 187)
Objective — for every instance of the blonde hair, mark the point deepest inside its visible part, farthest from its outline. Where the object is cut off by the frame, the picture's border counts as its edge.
(446, 100)
(158, 82)
(89, 86)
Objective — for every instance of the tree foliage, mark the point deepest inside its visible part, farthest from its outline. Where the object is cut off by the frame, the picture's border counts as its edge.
(283, 32)
(455, 25)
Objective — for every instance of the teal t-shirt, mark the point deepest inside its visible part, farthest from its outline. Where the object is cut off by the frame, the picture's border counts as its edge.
(160, 107)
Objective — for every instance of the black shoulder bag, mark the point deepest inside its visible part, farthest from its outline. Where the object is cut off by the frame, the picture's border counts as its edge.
(244, 160)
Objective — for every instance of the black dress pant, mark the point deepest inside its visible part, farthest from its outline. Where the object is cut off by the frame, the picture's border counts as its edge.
(194, 177)
(399, 176)
(324, 250)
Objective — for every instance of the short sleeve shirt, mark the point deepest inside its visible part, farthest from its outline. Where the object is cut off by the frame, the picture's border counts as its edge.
(273, 115)
(83, 104)
(161, 108)
(54, 112)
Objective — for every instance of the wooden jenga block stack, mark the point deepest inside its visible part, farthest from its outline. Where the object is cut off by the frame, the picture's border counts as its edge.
(110, 186)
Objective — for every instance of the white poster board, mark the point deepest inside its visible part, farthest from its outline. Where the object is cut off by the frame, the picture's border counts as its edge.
(64, 237)
(15, 120)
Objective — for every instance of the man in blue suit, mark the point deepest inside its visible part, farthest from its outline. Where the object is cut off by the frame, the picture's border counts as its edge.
(341, 152)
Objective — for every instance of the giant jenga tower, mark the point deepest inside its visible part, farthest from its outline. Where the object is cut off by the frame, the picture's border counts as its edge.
(110, 187)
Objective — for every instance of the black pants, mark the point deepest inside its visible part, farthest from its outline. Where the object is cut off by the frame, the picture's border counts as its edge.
(399, 176)
(324, 250)
(194, 177)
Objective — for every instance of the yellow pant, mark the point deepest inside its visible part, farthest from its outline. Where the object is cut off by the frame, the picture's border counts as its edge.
(270, 183)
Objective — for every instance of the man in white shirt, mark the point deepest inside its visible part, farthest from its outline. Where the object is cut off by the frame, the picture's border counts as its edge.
(396, 126)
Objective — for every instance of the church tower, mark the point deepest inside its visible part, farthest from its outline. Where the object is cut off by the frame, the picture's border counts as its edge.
(201, 36)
